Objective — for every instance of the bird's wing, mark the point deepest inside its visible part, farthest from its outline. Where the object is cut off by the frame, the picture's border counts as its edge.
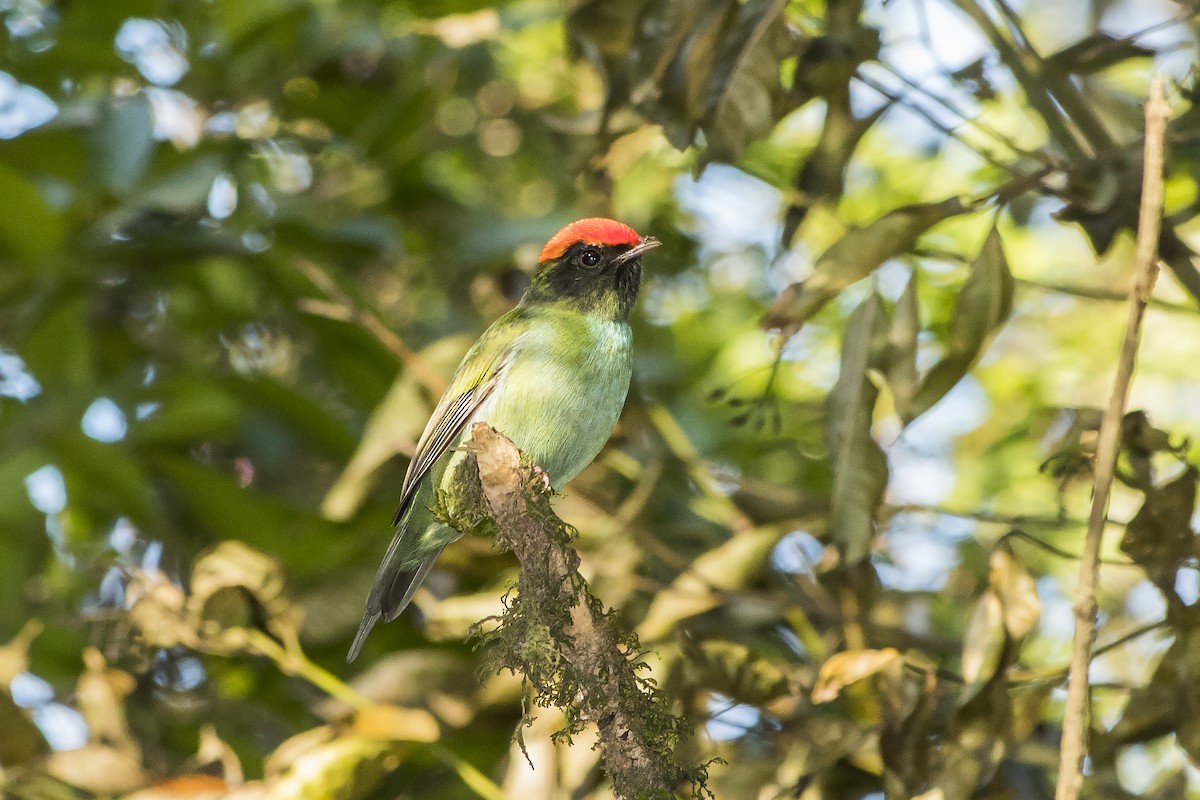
(480, 372)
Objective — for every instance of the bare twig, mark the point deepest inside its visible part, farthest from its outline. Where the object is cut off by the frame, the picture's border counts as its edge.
(1075, 716)
(1024, 69)
(1102, 293)
(341, 306)
(559, 637)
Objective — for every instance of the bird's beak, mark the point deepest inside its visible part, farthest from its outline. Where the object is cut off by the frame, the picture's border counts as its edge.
(647, 243)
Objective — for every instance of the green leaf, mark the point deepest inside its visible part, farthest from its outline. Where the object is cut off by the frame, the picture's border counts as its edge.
(672, 67)
(983, 305)
(123, 142)
(901, 367)
(855, 256)
(750, 95)
(29, 228)
(608, 27)
(860, 469)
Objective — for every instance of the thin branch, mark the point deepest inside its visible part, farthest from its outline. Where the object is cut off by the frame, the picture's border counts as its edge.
(1014, 520)
(341, 306)
(291, 660)
(1102, 293)
(1065, 93)
(1017, 61)
(1066, 554)
(965, 119)
(1075, 716)
(1043, 675)
(941, 127)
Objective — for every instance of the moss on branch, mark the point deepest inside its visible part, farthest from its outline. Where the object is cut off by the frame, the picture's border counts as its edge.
(557, 635)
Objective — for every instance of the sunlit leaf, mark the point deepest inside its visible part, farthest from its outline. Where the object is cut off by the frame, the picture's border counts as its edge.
(901, 367)
(699, 589)
(983, 644)
(100, 694)
(855, 256)
(1016, 589)
(123, 142)
(98, 768)
(234, 586)
(860, 469)
(851, 666)
(982, 306)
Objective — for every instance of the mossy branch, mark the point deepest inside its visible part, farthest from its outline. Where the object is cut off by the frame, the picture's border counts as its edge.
(557, 635)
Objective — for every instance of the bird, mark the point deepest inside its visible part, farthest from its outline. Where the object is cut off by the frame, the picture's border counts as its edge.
(552, 375)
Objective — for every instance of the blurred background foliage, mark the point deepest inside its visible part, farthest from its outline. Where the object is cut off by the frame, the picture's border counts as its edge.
(243, 244)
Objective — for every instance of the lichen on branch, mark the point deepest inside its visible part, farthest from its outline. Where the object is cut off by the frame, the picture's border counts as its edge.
(558, 636)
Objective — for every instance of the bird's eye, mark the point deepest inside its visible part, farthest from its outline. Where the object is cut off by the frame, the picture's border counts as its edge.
(589, 257)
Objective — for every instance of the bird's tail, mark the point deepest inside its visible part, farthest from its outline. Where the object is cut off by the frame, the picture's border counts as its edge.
(390, 595)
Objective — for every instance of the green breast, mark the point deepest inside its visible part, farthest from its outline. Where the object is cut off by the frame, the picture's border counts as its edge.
(562, 395)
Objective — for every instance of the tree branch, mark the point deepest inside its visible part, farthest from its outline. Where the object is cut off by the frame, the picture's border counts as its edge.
(1075, 717)
(557, 635)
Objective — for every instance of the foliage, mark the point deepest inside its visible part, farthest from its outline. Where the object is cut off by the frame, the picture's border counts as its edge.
(244, 244)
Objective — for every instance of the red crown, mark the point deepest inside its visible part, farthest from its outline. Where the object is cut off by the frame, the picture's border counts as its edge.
(594, 230)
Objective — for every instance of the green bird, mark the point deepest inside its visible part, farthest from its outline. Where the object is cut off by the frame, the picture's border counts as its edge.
(551, 375)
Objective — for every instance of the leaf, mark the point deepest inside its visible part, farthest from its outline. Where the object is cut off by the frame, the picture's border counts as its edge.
(979, 736)
(672, 66)
(14, 655)
(234, 586)
(983, 645)
(393, 427)
(98, 768)
(327, 763)
(823, 175)
(1171, 699)
(855, 256)
(1139, 442)
(701, 587)
(901, 367)
(609, 26)
(30, 229)
(749, 89)
(123, 142)
(21, 740)
(396, 724)
(1016, 589)
(100, 696)
(1095, 52)
(851, 666)
(698, 56)
(1160, 536)
(982, 306)
(860, 469)
(155, 609)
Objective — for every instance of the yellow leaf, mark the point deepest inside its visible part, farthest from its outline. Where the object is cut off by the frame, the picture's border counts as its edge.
(851, 666)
